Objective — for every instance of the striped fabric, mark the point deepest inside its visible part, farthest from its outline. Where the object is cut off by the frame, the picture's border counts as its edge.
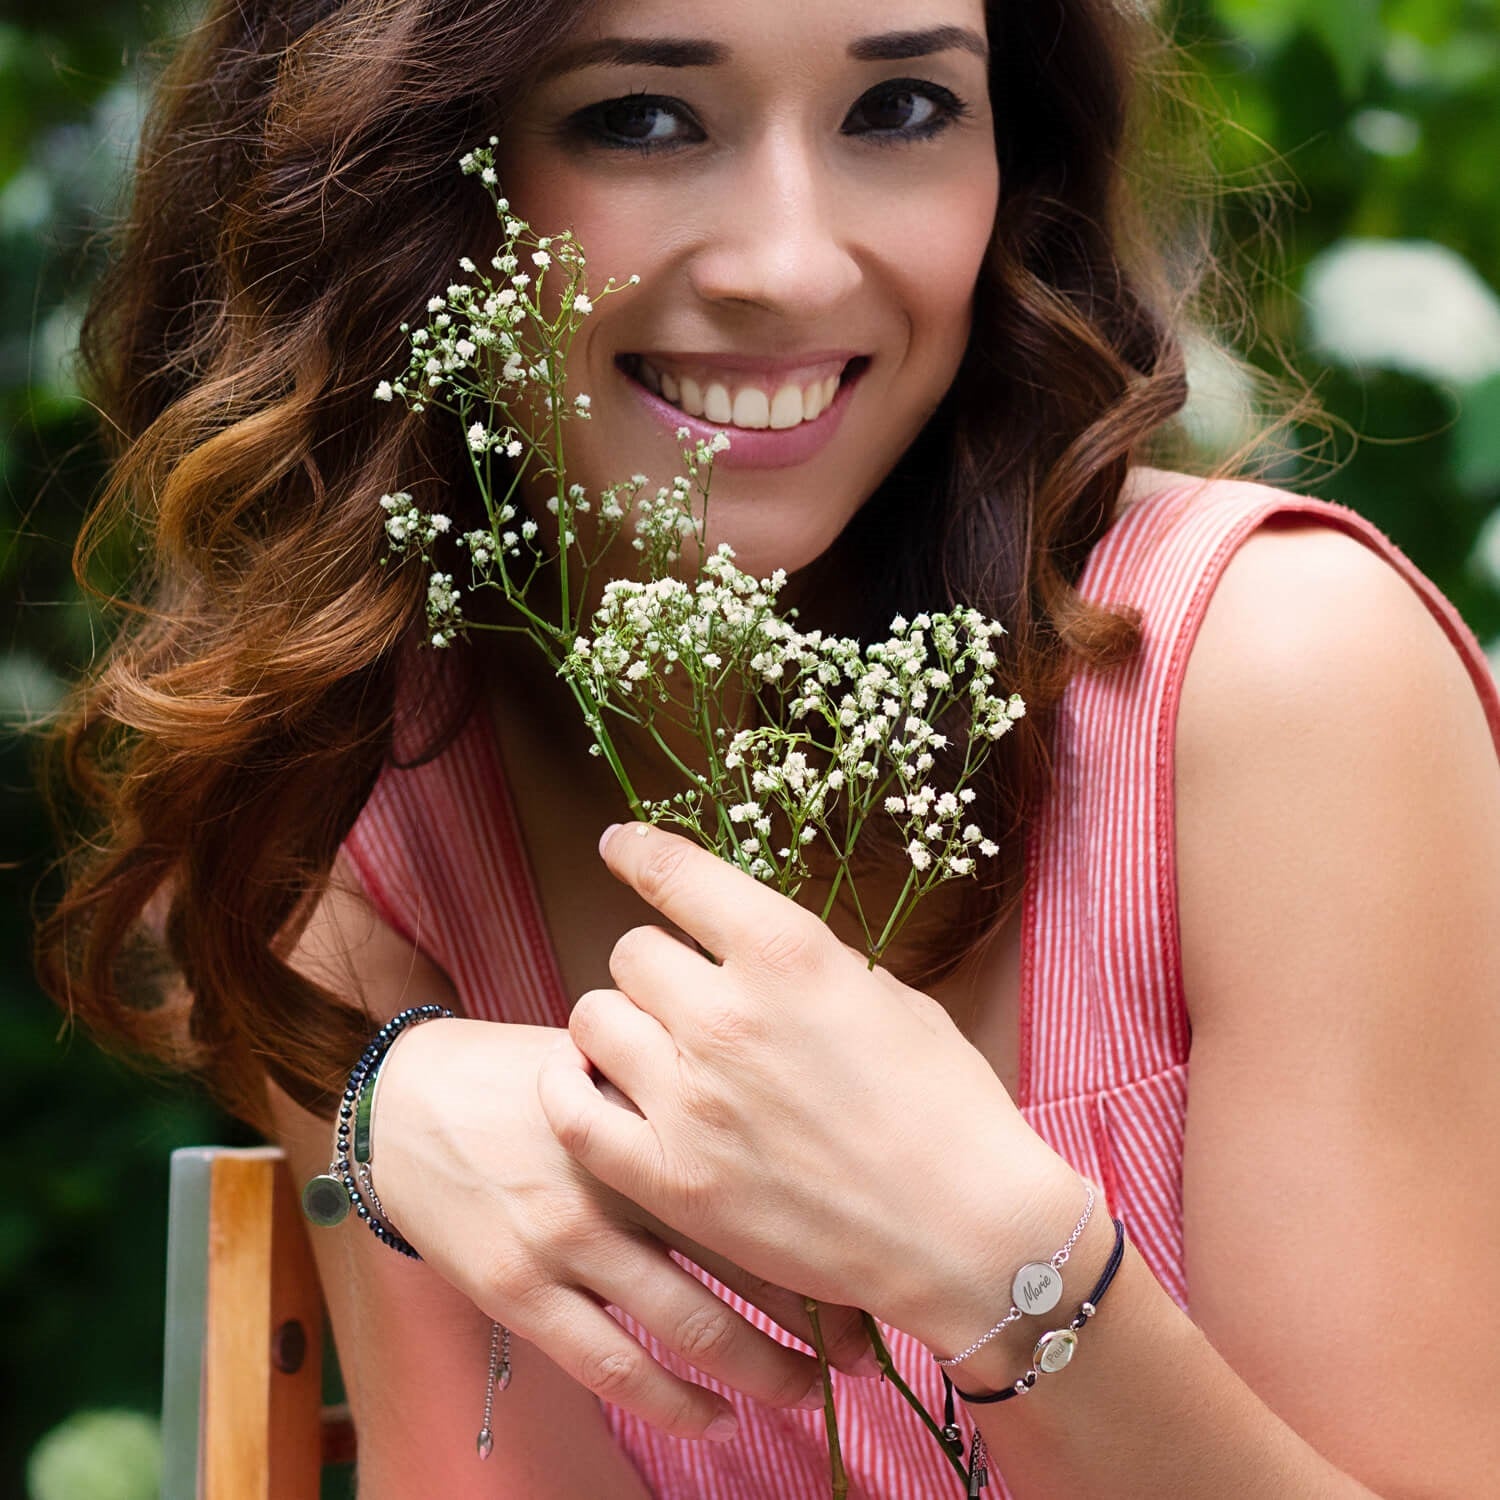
(1104, 1026)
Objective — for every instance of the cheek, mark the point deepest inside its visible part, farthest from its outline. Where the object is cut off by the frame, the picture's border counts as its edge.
(552, 193)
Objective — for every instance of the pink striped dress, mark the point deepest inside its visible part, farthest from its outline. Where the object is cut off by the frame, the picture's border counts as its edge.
(1103, 1024)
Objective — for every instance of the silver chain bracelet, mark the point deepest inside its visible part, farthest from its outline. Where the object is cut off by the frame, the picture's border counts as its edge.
(1035, 1289)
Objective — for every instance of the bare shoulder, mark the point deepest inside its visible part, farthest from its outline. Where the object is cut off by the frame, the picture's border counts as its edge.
(1329, 725)
(1307, 606)
(1338, 861)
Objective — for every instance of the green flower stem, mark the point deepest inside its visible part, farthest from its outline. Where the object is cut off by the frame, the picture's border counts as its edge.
(892, 925)
(839, 1479)
(889, 1371)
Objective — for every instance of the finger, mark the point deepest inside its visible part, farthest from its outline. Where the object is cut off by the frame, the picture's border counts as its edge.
(689, 1319)
(735, 917)
(660, 973)
(624, 1042)
(588, 1345)
(616, 1145)
(845, 1341)
(844, 1338)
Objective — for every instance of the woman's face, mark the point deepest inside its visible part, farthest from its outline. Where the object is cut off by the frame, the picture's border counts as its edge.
(806, 189)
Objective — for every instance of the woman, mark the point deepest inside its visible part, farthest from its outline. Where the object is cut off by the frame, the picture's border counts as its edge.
(1256, 835)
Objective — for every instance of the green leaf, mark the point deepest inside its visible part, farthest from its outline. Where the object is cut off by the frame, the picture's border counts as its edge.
(1351, 34)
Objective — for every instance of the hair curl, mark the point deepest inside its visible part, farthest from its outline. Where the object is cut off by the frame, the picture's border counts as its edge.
(295, 201)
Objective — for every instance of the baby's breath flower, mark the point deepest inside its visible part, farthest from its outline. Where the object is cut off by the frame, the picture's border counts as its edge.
(842, 729)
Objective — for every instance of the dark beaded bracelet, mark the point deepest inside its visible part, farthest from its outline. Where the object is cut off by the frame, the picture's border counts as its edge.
(1061, 1342)
(328, 1198)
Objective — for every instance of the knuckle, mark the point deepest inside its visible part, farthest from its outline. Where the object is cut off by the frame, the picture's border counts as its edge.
(612, 1373)
(728, 1025)
(569, 1232)
(787, 949)
(707, 1107)
(706, 1333)
(512, 1282)
(698, 1195)
(629, 951)
(573, 1132)
(586, 1016)
(661, 872)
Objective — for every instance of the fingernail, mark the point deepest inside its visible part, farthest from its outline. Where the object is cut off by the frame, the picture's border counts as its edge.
(867, 1365)
(604, 837)
(813, 1400)
(722, 1428)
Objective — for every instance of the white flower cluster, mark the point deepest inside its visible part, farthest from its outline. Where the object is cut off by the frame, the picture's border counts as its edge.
(804, 737)
(409, 527)
(850, 729)
(488, 333)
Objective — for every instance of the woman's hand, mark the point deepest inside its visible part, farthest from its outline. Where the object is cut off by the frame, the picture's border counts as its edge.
(471, 1174)
(817, 1122)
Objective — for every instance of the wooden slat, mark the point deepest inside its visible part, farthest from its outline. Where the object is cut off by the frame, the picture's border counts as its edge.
(260, 1425)
(297, 1394)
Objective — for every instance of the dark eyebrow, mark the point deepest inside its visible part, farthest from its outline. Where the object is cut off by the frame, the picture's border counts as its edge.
(893, 46)
(683, 52)
(626, 51)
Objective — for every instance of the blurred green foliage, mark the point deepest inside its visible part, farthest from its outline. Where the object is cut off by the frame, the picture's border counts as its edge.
(1386, 117)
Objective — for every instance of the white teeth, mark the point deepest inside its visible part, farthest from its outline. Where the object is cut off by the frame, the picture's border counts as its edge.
(787, 409)
(691, 400)
(716, 407)
(752, 409)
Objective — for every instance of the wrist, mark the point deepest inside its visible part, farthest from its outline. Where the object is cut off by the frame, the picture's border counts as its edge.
(975, 1289)
(1038, 1345)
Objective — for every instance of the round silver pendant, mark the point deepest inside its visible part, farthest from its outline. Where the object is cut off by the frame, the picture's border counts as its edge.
(325, 1200)
(1054, 1350)
(1037, 1288)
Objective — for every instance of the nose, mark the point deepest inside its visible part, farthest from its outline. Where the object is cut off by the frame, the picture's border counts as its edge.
(780, 234)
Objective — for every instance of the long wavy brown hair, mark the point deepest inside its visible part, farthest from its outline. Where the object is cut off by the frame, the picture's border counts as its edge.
(295, 201)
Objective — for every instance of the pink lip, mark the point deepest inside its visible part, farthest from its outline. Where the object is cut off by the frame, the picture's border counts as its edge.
(759, 449)
(749, 364)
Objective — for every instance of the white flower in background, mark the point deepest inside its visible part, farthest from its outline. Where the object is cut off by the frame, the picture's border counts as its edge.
(1219, 416)
(1408, 305)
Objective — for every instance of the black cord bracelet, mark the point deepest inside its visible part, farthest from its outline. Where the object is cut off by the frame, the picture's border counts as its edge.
(1054, 1350)
(328, 1198)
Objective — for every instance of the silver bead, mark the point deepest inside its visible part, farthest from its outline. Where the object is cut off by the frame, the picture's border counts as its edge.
(1088, 1309)
(1022, 1388)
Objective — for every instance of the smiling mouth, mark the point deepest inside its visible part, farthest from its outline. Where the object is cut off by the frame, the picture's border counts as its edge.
(742, 399)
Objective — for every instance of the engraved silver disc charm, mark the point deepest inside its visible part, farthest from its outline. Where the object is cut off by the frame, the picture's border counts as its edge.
(1054, 1350)
(325, 1200)
(1037, 1288)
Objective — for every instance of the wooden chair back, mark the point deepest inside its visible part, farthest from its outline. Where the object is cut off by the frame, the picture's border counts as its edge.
(242, 1412)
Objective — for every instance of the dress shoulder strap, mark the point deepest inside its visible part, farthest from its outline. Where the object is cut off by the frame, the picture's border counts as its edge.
(439, 852)
(1102, 998)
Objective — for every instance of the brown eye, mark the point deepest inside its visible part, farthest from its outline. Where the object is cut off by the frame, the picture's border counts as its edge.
(903, 110)
(640, 121)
